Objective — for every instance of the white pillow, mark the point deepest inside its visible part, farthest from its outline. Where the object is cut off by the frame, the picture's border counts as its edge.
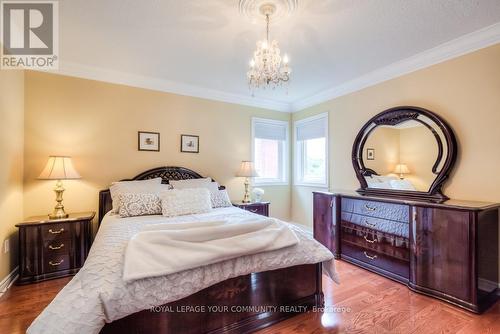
(134, 187)
(220, 199)
(132, 205)
(382, 178)
(179, 202)
(380, 185)
(190, 183)
(402, 185)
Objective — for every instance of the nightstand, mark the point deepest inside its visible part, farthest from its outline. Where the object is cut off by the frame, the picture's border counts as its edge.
(53, 248)
(261, 208)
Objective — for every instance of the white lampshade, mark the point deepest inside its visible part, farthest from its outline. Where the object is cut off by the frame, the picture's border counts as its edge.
(59, 168)
(247, 169)
(401, 169)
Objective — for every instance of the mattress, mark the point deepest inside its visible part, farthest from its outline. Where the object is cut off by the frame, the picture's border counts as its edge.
(97, 293)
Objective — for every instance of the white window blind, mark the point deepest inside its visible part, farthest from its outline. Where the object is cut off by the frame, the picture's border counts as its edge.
(270, 150)
(264, 130)
(312, 129)
(311, 151)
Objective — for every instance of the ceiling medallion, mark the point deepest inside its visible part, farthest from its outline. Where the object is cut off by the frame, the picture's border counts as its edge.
(252, 9)
(267, 67)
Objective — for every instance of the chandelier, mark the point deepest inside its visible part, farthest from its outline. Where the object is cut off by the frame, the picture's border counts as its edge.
(267, 67)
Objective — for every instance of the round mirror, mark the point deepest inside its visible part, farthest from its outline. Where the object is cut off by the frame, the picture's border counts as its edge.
(404, 151)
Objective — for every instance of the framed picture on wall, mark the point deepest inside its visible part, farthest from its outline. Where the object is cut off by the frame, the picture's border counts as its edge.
(190, 144)
(148, 141)
(370, 154)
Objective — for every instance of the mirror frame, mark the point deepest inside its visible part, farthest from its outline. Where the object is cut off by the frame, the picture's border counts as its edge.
(396, 116)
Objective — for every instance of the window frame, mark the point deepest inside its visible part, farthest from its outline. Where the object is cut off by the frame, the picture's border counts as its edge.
(284, 162)
(299, 156)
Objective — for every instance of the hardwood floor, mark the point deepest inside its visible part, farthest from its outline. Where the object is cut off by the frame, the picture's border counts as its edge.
(365, 302)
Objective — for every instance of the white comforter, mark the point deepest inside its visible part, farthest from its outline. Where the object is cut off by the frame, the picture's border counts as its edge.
(168, 248)
(98, 293)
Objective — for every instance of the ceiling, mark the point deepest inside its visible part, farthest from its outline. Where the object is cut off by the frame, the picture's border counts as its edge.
(202, 47)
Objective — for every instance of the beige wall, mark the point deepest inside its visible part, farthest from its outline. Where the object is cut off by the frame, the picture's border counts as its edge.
(465, 91)
(11, 164)
(385, 142)
(419, 152)
(96, 123)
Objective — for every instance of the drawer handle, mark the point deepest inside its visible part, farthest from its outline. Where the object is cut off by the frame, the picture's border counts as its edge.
(370, 224)
(56, 232)
(371, 257)
(253, 210)
(369, 240)
(56, 247)
(369, 208)
(55, 264)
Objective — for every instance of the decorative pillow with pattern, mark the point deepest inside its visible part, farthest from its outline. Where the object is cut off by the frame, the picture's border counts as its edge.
(152, 186)
(178, 202)
(137, 204)
(220, 199)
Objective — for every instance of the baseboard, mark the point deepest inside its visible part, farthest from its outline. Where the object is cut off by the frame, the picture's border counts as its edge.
(6, 283)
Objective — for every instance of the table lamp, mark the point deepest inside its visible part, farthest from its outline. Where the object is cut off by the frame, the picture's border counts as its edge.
(247, 170)
(59, 168)
(401, 169)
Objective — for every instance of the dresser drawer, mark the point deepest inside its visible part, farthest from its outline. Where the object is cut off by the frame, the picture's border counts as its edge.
(56, 262)
(63, 246)
(56, 232)
(376, 259)
(260, 208)
(388, 226)
(384, 243)
(390, 211)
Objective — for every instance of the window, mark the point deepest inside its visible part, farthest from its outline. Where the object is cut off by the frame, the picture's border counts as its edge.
(311, 151)
(270, 151)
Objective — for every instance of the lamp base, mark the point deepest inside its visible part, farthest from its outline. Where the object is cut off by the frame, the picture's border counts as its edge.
(59, 212)
(246, 197)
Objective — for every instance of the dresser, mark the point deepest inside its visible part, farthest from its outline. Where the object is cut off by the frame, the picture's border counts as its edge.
(449, 251)
(260, 208)
(53, 248)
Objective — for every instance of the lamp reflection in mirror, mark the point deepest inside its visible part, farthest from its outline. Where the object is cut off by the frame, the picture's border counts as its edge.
(401, 169)
(247, 170)
(59, 168)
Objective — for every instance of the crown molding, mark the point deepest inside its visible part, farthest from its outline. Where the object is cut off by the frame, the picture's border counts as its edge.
(457, 47)
(153, 83)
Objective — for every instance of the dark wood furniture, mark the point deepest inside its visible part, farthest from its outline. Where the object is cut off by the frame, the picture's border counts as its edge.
(446, 151)
(279, 293)
(53, 248)
(290, 290)
(260, 208)
(446, 250)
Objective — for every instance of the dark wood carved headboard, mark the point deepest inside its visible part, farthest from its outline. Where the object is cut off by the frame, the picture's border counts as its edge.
(166, 173)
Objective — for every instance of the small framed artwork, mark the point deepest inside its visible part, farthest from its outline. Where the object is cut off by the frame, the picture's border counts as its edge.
(190, 144)
(148, 141)
(370, 154)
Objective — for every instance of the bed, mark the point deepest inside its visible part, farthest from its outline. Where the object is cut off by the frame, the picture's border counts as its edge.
(236, 296)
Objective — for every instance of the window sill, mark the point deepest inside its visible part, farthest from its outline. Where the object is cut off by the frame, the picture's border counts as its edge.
(311, 185)
(265, 184)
